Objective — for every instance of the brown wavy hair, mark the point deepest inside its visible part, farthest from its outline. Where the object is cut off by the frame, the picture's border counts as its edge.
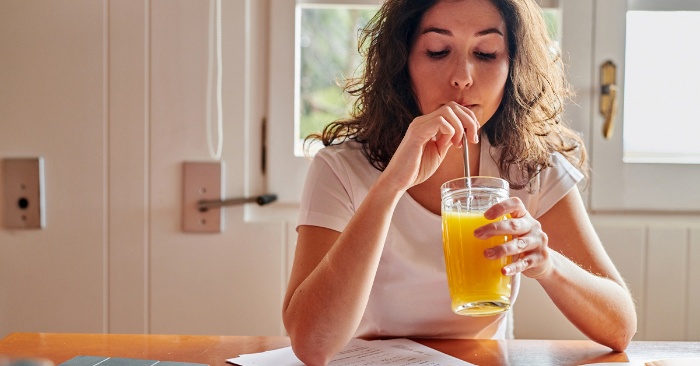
(527, 127)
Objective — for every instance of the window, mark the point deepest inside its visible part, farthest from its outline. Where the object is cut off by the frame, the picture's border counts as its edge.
(327, 47)
(295, 112)
(662, 88)
(650, 42)
(552, 16)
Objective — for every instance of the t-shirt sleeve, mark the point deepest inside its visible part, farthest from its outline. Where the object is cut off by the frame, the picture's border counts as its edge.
(326, 200)
(555, 182)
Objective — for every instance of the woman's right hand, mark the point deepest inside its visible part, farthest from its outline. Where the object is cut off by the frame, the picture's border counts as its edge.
(426, 142)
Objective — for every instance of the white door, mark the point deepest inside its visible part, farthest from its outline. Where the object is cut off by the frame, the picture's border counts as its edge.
(651, 161)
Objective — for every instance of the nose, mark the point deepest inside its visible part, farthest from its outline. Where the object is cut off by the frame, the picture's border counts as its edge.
(462, 74)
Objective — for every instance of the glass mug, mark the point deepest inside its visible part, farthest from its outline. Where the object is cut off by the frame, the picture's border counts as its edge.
(477, 287)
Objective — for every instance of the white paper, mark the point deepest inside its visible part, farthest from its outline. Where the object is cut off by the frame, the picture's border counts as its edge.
(635, 361)
(395, 352)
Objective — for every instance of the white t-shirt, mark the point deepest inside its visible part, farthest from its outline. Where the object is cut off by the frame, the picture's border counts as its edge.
(410, 297)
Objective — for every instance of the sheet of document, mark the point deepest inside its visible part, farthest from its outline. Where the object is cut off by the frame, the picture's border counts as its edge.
(682, 361)
(395, 352)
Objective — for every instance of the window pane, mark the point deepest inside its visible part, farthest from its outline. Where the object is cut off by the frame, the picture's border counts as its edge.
(552, 16)
(327, 48)
(662, 87)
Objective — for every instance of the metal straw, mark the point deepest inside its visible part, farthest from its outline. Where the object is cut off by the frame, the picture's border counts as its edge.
(466, 156)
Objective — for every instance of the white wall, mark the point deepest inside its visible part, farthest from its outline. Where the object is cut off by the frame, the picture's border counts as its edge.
(112, 95)
(52, 106)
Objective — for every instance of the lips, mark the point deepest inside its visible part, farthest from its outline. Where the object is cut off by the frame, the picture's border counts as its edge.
(465, 103)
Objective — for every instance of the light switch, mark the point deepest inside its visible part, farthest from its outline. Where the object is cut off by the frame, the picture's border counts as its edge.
(202, 182)
(23, 193)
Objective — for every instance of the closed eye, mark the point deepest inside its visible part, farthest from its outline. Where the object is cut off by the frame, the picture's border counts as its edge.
(437, 54)
(485, 56)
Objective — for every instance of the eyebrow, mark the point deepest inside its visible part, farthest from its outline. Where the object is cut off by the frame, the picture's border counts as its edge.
(449, 33)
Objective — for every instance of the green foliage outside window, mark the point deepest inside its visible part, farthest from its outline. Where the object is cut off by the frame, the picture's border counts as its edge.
(328, 40)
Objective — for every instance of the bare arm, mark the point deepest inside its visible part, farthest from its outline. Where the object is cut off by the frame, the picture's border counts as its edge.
(583, 282)
(332, 278)
(563, 253)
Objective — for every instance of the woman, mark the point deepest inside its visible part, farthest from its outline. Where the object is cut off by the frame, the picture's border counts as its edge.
(369, 259)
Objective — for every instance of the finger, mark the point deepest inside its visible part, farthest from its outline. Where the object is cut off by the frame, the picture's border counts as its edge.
(441, 132)
(443, 143)
(454, 117)
(512, 206)
(446, 133)
(514, 247)
(426, 128)
(526, 262)
(459, 117)
(518, 226)
(469, 122)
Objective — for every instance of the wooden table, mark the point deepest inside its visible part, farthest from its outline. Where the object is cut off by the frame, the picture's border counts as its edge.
(214, 350)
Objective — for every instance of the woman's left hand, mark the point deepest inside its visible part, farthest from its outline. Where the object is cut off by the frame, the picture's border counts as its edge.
(529, 244)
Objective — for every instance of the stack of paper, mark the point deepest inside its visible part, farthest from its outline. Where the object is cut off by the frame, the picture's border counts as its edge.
(397, 352)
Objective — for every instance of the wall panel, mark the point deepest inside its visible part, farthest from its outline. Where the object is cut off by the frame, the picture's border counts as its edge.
(536, 317)
(626, 246)
(693, 310)
(667, 284)
(128, 166)
(52, 104)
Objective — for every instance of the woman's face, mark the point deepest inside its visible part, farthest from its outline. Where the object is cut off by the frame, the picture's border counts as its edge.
(461, 55)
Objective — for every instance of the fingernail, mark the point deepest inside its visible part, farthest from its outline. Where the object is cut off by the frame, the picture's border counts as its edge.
(478, 232)
(507, 271)
(489, 253)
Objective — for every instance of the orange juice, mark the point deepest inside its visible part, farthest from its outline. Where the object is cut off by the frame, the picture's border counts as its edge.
(477, 287)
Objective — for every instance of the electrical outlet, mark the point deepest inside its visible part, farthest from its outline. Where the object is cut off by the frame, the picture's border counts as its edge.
(202, 181)
(23, 181)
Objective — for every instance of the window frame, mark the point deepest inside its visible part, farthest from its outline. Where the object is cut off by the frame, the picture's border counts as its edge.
(285, 171)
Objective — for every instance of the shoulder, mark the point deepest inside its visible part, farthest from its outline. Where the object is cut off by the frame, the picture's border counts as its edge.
(343, 165)
(346, 158)
(552, 184)
(337, 181)
(545, 189)
(559, 168)
(349, 150)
